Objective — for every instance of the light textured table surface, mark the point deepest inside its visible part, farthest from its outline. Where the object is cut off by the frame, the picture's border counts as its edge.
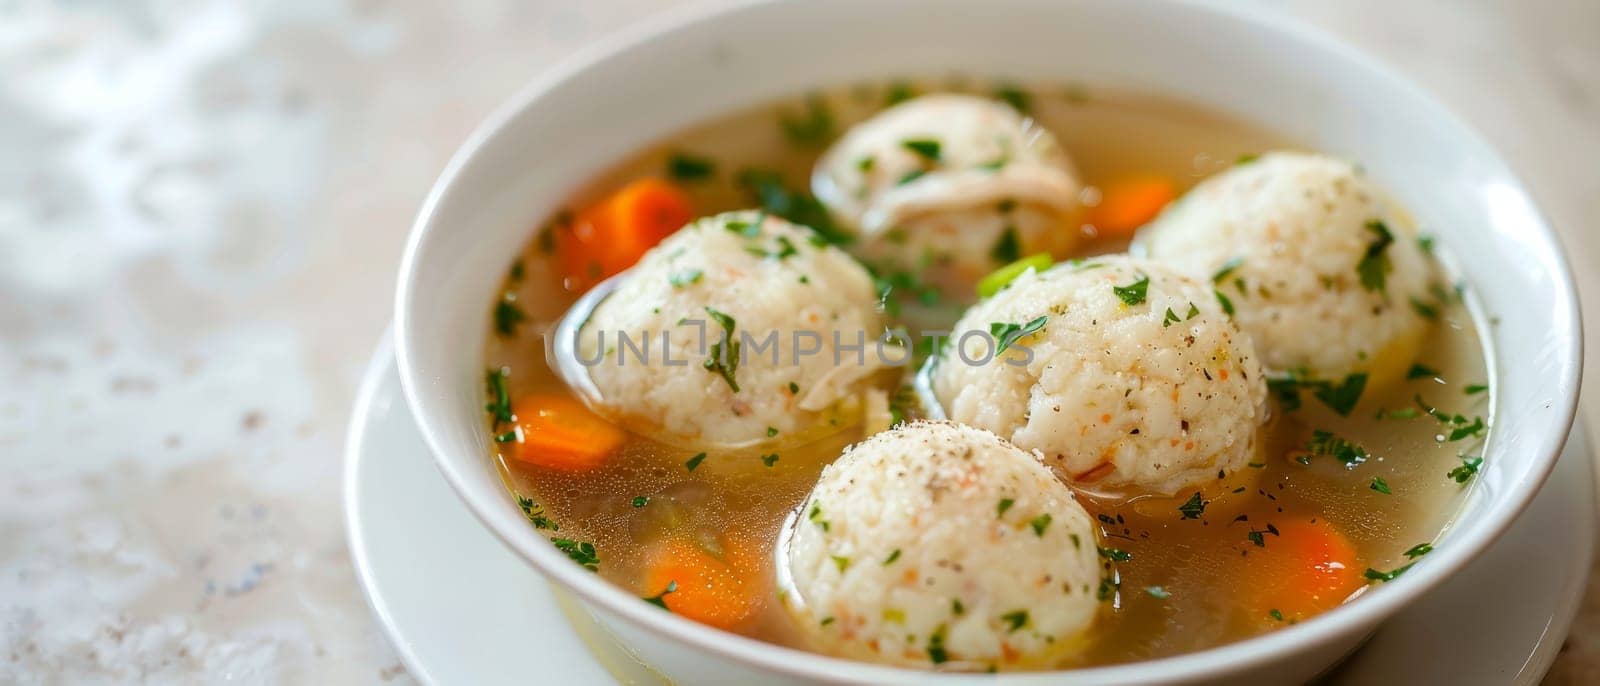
(201, 209)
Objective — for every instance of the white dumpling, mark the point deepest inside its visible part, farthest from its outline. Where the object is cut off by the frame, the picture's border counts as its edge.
(952, 186)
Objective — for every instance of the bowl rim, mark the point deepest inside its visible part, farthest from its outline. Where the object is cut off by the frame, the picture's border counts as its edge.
(1211, 662)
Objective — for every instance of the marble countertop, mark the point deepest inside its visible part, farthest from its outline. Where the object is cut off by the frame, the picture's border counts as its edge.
(201, 209)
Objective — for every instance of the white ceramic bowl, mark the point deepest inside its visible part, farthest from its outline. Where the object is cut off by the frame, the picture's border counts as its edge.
(646, 83)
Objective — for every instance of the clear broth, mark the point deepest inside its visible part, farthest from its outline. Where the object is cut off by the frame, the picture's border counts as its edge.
(1197, 568)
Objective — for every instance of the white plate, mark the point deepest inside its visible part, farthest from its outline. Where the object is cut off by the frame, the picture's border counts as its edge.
(462, 609)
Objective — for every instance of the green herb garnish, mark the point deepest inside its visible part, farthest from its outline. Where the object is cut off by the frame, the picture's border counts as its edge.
(659, 599)
(1374, 266)
(1419, 550)
(1227, 305)
(1009, 248)
(1115, 555)
(926, 148)
(694, 461)
(507, 315)
(1133, 293)
(1226, 269)
(1375, 575)
(1468, 469)
(813, 127)
(1039, 524)
(1193, 507)
(581, 553)
(685, 277)
(724, 354)
(685, 167)
(499, 406)
(1005, 333)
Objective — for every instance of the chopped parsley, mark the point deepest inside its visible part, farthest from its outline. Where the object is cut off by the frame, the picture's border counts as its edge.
(499, 406)
(841, 562)
(1474, 389)
(1326, 443)
(1193, 507)
(659, 599)
(685, 277)
(1419, 550)
(1193, 312)
(1467, 430)
(1468, 469)
(1005, 504)
(640, 501)
(1374, 266)
(775, 198)
(1342, 398)
(1015, 619)
(772, 431)
(1005, 333)
(1039, 524)
(1227, 305)
(816, 517)
(506, 437)
(685, 167)
(1226, 269)
(926, 148)
(769, 460)
(892, 557)
(1009, 248)
(910, 176)
(1133, 293)
(1246, 158)
(1375, 575)
(535, 514)
(1424, 309)
(1115, 555)
(581, 553)
(1421, 371)
(1275, 614)
(694, 461)
(1014, 96)
(507, 315)
(724, 357)
(1381, 486)
(784, 250)
(813, 127)
(936, 651)
(1170, 319)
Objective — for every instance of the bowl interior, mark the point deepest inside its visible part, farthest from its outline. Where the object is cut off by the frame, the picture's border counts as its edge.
(660, 77)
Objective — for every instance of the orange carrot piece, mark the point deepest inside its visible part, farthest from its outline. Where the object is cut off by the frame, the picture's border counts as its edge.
(559, 432)
(1308, 568)
(722, 590)
(1129, 204)
(613, 234)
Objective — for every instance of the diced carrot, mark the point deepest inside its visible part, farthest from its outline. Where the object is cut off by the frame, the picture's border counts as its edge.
(717, 587)
(613, 234)
(1130, 203)
(558, 432)
(1307, 568)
